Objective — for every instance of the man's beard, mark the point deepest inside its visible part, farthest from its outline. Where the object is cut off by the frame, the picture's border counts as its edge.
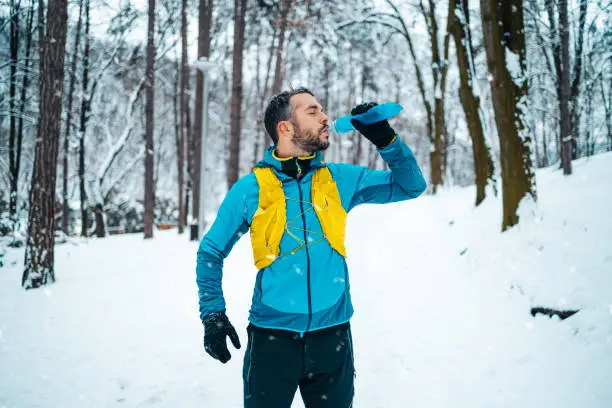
(309, 140)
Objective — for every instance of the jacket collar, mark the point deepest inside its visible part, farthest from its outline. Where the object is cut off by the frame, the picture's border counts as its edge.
(289, 166)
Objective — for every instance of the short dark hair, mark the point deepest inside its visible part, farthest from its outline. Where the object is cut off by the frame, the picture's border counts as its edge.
(279, 108)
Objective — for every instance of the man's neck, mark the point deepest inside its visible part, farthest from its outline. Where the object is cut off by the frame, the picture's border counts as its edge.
(285, 153)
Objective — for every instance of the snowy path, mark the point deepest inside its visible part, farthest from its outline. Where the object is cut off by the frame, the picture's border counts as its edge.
(436, 324)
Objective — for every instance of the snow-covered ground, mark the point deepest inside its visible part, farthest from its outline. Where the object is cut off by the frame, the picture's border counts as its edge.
(442, 303)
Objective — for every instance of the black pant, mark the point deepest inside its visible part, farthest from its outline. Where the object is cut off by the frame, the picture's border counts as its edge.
(320, 363)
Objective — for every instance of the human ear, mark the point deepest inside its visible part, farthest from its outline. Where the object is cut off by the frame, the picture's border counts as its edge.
(284, 127)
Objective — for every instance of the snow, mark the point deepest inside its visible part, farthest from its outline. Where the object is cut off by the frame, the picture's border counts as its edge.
(513, 65)
(438, 91)
(442, 303)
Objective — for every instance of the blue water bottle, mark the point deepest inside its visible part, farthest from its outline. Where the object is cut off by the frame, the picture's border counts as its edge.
(376, 114)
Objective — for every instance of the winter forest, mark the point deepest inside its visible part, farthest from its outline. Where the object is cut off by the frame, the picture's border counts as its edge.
(134, 117)
(102, 103)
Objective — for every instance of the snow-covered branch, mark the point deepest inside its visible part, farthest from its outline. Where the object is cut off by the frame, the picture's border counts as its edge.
(136, 160)
(120, 143)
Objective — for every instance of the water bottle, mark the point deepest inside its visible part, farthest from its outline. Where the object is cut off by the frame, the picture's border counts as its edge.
(376, 114)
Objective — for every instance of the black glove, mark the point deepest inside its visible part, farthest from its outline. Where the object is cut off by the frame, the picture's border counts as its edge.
(216, 327)
(379, 133)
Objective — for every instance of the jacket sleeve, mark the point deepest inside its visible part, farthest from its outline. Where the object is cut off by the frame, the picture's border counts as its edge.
(229, 225)
(403, 180)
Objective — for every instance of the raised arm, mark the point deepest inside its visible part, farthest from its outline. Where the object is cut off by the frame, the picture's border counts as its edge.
(403, 181)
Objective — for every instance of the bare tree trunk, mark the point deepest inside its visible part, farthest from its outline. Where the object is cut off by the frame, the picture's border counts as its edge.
(564, 82)
(483, 163)
(504, 40)
(607, 104)
(327, 71)
(263, 96)
(589, 114)
(14, 11)
(556, 51)
(99, 218)
(204, 29)
(258, 93)
(236, 104)
(149, 184)
(183, 131)
(344, 154)
(177, 131)
(73, 74)
(364, 73)
(190, 148)
(85, 105)
(577, 76)
(24, 89)
(439, 69)
(190, 155)
(278, 77)
(544, 142)
(41, 37)
(38, 262)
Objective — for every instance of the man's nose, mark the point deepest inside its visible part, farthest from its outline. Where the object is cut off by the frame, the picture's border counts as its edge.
(324, 118)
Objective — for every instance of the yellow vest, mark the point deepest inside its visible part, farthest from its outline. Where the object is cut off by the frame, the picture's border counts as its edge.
(270, 220)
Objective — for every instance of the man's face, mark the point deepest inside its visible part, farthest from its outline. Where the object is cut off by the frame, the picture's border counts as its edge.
(309, 123)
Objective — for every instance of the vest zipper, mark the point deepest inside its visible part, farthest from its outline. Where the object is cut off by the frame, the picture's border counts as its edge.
(307, 255)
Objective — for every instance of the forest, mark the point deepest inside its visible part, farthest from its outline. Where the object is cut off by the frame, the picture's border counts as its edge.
(111, 110)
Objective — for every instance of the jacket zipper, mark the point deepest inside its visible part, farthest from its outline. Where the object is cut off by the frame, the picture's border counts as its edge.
(306, 248)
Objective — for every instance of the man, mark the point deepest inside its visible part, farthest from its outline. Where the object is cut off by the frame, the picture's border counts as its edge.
(295, 206)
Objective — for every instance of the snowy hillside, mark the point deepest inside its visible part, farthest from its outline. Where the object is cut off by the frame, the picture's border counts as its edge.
(442, 303)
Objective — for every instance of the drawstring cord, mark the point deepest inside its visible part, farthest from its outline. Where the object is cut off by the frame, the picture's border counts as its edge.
(288, 228)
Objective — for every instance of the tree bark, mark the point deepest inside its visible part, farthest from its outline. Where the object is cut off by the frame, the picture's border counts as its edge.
(607, 104)
(41, 38)
(149, 161)
(564, 82)
(504, 39)
(177, 134)
(577, 76)
(544, 142)
(14, 11)
(236, 103)
(73, 74)
(100, 223)
(190, 157)
(85, 105)
(38, 262)
(470, 100)
(204, 29)
(439, 70)
(278, 75)
(184, 130)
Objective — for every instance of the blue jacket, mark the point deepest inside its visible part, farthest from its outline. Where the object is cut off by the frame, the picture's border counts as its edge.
(308, 290)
